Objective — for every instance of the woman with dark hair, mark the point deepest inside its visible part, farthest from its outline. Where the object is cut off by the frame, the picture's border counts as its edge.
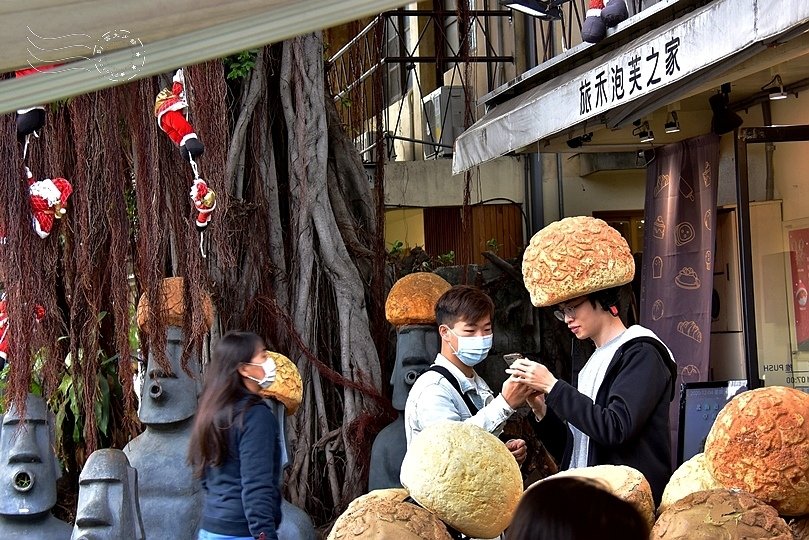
(574, 508)
(234, 444)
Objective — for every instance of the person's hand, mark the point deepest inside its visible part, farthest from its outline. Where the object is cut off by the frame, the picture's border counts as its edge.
(532, 374)
(537, 403)
(515, 393)
(518, 449)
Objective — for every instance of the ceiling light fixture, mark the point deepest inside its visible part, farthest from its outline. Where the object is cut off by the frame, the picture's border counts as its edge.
(547, 11)
(642, 130)
(673, 125)
(775, 88)
(577, 142)
(724, 120)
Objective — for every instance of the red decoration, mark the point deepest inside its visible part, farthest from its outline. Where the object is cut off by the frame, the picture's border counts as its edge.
(48, 200)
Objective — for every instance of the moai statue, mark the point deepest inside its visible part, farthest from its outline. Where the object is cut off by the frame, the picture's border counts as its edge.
(169, 495)
(411, 308)
(284, 397)
(108, 499)
(28, 474)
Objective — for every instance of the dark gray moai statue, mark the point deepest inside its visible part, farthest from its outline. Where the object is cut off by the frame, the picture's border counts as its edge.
(170, 497)
(410, 307)
(28, 474)
(416, 349)
(108, 499)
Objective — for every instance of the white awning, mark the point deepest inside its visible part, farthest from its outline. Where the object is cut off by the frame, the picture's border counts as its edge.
(167, 35)
(632, 80)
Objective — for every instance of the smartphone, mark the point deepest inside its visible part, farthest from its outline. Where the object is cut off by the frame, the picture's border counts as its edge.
(510, 357)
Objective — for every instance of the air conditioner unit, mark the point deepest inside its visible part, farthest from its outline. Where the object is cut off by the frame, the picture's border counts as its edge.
(443, 122)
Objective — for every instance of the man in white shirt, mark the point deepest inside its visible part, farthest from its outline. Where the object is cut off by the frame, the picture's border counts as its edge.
(464, 318)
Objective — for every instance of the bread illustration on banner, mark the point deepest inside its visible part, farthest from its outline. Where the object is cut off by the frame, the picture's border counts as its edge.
(684, 233)
(657, 310)
(662, 183)
(708, 260)
(706, 174)
(659, 228)
(706, 220)
(657, 267)
(687, 278)
(690, 329)
(686, 190)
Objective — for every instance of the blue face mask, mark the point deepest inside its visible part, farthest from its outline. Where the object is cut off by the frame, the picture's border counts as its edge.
(472, 350)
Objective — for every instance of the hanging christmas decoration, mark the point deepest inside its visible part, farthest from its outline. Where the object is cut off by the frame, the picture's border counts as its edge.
(172, 110)
(48, 200)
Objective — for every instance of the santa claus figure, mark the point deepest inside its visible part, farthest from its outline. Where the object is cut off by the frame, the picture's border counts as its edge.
(48, 200)
(169, 109)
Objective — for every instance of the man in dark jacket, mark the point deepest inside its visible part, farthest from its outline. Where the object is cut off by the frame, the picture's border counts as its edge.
(617, 413)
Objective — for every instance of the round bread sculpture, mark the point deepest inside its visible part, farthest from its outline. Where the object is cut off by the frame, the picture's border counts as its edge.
(622, 481)
(464, 475)
(287, 386)
(412, 299)
(383, 513)
(573, 257)
(720, 513)
(171, 291)
(690, 477)
(759, 443)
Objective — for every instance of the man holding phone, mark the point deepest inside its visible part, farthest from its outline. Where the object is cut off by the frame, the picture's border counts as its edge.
(618, 411)
(450, 389)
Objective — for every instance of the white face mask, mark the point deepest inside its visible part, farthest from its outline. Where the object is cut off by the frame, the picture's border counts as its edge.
(472, 350)
(269, 373)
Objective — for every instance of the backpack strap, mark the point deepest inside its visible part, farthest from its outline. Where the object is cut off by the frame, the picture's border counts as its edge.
(664, 356)
(444, 372)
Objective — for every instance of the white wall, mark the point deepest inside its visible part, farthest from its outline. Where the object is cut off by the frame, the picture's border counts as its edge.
(613, 190)
(431, 183)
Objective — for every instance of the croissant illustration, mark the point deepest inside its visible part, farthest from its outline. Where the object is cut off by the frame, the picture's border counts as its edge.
(706, 174)
(691, 330)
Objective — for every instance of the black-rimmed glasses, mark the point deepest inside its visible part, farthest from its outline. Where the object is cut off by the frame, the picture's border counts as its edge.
(568, 311)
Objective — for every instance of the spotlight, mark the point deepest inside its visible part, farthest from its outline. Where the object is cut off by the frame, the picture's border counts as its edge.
(775, 88)
(577, 142)
(642, 130)
(547, 11)
(673, 125)
(724, 120)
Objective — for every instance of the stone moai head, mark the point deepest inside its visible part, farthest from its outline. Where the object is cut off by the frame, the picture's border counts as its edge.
(108, 498)
(168, 397)
(416, 348)
(28, 466)
(410, 307)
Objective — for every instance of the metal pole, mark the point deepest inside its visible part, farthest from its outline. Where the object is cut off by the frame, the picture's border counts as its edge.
(536, 207)
(746, 262)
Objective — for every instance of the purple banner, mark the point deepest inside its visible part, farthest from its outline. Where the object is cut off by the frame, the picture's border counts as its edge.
(680, 232)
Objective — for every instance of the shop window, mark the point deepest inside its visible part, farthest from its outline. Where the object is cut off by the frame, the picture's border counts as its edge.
(629, 223)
